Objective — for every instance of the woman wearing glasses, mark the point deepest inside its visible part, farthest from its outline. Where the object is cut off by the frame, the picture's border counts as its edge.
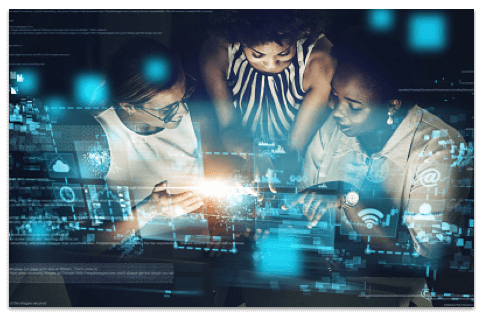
(148, 128)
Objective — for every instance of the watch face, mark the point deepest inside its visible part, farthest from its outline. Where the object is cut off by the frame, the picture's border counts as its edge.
(352, 198)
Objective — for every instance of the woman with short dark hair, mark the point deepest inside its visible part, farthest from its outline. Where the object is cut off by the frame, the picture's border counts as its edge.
(396, 154)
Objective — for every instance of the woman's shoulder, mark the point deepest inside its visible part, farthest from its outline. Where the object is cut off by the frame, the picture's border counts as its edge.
(320, 64)
(435, 127)
(435, 139)
(321, 50)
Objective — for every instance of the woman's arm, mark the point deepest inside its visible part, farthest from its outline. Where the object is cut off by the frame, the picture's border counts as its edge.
(431, 213)
(314, 110)
(214, 65)
(158, 203)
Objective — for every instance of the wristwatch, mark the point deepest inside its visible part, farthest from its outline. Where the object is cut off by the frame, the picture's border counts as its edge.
(351, 199)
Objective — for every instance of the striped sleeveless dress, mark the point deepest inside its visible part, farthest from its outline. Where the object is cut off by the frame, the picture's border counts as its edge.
(268, 104)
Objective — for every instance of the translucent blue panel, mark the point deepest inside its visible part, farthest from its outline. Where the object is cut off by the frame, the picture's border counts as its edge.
(381, 20)
(427, 32)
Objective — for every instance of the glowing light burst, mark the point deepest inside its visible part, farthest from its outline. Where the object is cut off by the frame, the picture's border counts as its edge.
(226, 197)
(219, 189)
(214, 188)
(177, 211)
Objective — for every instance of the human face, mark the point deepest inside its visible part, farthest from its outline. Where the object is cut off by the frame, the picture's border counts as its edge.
(355, 109)
(270, 58)
(167, 108)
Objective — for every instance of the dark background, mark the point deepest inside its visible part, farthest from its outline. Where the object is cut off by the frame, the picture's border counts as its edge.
(185, 31)
(64, 32)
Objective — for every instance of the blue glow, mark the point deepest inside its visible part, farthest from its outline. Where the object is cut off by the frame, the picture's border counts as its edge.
(90, 89)
(29, 82)
(427, 32)
(39, 231)
(381, 20)
(278, 256)
(55, 105)
(157, 69)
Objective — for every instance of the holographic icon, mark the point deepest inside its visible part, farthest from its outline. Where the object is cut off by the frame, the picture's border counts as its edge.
(430, 177)
(381, 214)
(67, 194)
(371, 217)
(61, 165)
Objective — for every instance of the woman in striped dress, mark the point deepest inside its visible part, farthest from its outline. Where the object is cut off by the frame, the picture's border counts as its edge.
(268, 74)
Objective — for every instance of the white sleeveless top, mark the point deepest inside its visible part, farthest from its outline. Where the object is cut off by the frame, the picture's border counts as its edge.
(142, 161)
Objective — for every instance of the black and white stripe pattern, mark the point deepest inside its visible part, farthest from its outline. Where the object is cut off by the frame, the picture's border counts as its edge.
(268, 104)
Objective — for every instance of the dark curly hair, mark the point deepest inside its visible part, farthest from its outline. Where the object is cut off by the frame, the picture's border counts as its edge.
(378, 61)
(256, 27)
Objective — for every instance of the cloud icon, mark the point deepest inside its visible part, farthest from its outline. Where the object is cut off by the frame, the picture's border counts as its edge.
(59, 166)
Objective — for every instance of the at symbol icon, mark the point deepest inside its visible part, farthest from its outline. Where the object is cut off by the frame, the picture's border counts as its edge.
(430, 177)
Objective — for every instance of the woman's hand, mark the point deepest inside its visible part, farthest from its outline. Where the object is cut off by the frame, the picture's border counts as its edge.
(314, 207)
(162, 203)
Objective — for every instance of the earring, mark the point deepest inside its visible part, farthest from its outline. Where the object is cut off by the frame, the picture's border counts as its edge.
(390, 113)
(130, 113)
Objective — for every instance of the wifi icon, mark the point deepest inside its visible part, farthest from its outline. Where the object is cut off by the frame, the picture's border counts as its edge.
(370, 216)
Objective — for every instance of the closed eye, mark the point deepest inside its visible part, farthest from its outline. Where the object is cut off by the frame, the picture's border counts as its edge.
(354, 107)
(284, 53)
(169, 108)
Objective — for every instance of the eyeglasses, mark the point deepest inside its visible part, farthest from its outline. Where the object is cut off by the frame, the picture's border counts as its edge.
(170, 111)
